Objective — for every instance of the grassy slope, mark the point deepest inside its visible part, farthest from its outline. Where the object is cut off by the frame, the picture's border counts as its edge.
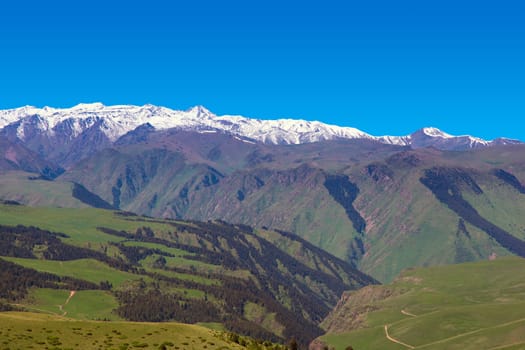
(157, 191)
(306, 253)
(80, 225)
(194, 278)
(17, 186)
(407, 226)
(179, 260)
(502, 205)
(283, 203)
(83, 305)
(86, 269)
(39, 331)
(259, 314)
(465, 306)
(401, 231)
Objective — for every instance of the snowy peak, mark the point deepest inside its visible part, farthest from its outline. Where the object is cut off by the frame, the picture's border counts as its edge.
(201, 111)
(433, 137)
(116, 121)
(433, 132)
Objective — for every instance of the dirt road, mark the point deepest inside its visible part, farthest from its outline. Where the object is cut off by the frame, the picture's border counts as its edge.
(395, 340)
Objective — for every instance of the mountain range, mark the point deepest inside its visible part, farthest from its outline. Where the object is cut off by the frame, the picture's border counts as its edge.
(115, 121)
(382, 204)
(257, 225)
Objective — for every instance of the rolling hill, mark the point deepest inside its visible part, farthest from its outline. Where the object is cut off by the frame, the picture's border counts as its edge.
(32, 189)
(464, 306)
(24, 330)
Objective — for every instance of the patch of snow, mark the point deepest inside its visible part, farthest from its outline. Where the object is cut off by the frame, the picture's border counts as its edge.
(435, 132)
(243, 140)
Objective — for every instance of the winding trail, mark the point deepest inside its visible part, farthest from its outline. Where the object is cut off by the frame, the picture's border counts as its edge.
(457, 336)
(408, 313)
(395, 340)
(472, 332)
(507, 345)
(61, 307)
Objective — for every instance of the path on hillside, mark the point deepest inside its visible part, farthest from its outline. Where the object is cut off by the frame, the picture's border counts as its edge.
(61, 307)
(395, 340)
(407, 313)
(507, 345)
(455, 336)
(472, 332)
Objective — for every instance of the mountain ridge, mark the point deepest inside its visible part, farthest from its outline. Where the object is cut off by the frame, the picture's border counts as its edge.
(117, 120)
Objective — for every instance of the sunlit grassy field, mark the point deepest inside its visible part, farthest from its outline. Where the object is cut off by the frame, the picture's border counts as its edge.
(40, 331)
(464, 306)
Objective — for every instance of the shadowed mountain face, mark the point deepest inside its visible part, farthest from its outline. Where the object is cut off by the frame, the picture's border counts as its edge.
(15, 156)
(64, 145)
(378, 206)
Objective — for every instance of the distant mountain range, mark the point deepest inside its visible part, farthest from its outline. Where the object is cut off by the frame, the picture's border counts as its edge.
(112, 122)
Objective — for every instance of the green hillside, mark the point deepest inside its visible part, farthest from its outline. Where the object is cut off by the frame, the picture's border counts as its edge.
(29, 189)
(90, 270)
(466, 306)
(408, 226)
(110, 265)
(83, 304)
(257, 185)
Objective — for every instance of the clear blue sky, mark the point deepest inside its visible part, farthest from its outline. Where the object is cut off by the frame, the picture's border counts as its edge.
(385, 67)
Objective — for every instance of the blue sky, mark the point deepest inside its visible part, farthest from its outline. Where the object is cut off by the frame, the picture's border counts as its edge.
(385, 67)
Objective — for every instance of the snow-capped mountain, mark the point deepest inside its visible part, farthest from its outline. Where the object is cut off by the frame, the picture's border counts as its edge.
(115, 121)
(109, 123)
(433, 137)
